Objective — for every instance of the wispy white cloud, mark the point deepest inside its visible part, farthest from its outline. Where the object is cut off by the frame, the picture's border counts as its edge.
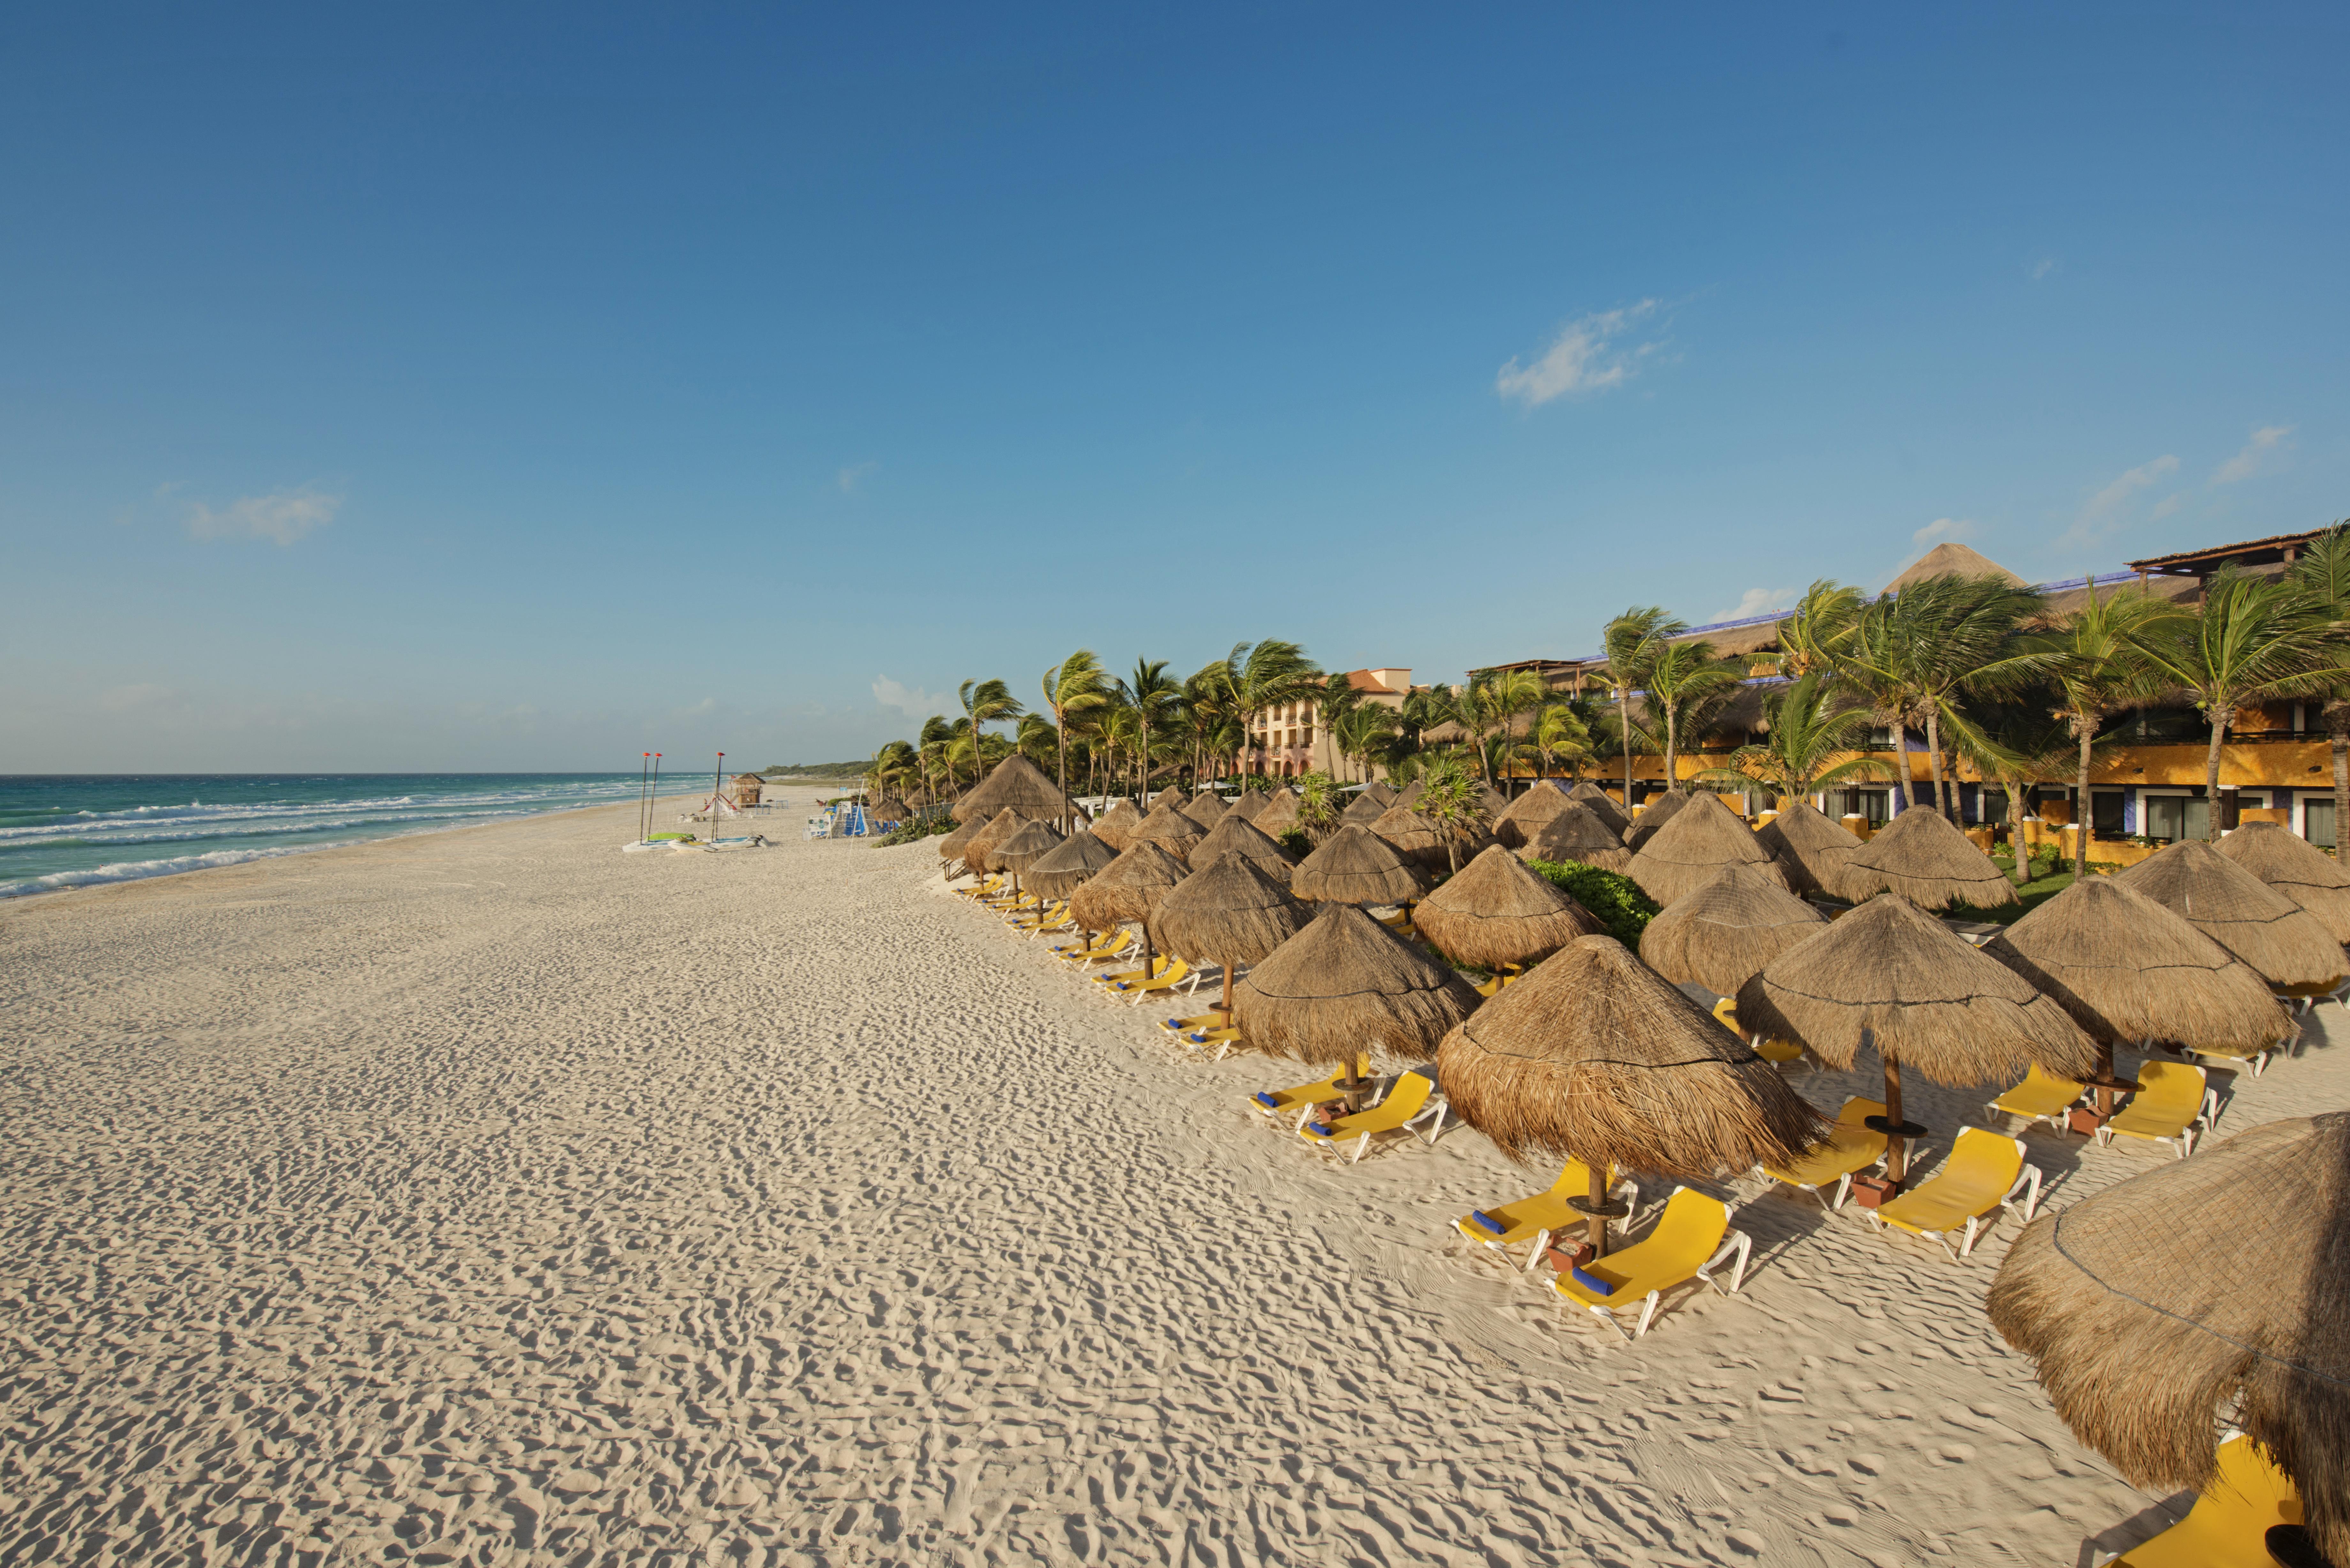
(1583, 357)
(707, 705)
(907, 699)
(2041, 268)
(124, 699)
(2103, 514)
(282, 515)
(1758, 601)
(855, 475)
(1940, 529)
(2267, 443)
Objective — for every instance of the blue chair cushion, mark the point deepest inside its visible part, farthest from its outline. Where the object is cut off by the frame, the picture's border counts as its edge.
(1321, 1130)
(1486, 1221)
(1267, 1101)
(1597, 1287)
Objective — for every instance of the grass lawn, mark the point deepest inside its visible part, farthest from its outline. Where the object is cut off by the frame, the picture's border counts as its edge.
(2030, 896)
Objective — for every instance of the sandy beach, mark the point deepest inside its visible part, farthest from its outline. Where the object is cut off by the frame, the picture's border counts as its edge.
(490, 1195)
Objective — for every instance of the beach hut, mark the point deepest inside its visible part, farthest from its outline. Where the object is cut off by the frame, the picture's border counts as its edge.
(743, 789)
(1356, 866)
(1347, 985)
(1889, 975)
(1363, 808)
(1167, 827)
(977, 851)
(1595, 1057)
(1929, 861)
(1236, 835)
(1652, 817)
(1207, 809)
(1726, 933)
(1127, 891)
(1228, 913)
(1496, 914)
(1016, 851)
(1279, 817)
(1526, 816)
(890, 808)
(1070, 866)
(1020, 784)
(1812, 850)
(2128, 970)
(2200, 1294)
(1578, 834)
(2297, 868)
(1691, 849)
(2243, 914)
(1117, 826)
(1601, 804)
(1250, 803)
(1414, 837)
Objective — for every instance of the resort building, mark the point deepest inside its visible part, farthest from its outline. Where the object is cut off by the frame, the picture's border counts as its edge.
(1294, 737)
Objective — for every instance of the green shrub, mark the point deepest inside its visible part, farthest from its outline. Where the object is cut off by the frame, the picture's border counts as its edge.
(921, 827)
(1614, 900)
(1296, 843)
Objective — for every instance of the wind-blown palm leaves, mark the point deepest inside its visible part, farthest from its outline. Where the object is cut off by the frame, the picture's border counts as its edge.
(1454, 801)
(1633, 642)
(2106, 661)
(1688, 684)
(1072, 689)
(1808, 743)
(984, 702)
(2323, 574)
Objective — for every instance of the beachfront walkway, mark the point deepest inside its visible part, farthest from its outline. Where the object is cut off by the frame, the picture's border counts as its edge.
(494, 1196)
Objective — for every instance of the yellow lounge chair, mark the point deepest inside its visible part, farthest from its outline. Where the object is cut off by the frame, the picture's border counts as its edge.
(2172, 1105)
(2259, 1059)
(1693, 1238)
(1223, 1040)
(1052, 915)
(2227, 1527)
(1113, 944)
(1197, 1021)
(2041, 1097)
(1405, 1103)
(1277, 1103)
(1849, 1148)
(1985, 1172)
(1165, 973)
(1542, 1216)
(986, 887)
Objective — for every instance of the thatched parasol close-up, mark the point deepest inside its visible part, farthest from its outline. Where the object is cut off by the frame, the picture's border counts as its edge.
(1363, 808)
(978, 853)
(1228, 913)
(1346, 984)
(1812, 850)
(1020, 784)
(1070, 864)
(1888, 974)
(1170, 829)
(1356, 866)
(1409, 794)
(1017, 850)
(1602, 805)
(1280, 813)
(1929, 861)
(1207, 809)
(2243, 914)
(1496, 912)
(2201, 1294)
(953, 846)
(1172, 797)
(1652, 817)
(1693, 847)
(1526, 816)
(1127, 890)
(1579, 834)
(2297, 868)
(1235, 835)
(1721, 936)
(1414, 837)
(1117, 826)
(1250, 803)
(1596, 1056)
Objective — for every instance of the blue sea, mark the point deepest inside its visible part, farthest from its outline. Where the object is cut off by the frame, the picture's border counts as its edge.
(71, 831)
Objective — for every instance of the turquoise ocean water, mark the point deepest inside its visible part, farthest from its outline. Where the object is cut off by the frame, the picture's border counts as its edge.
(70, 831)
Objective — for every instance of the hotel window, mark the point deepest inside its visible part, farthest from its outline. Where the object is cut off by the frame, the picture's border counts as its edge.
(1309, 735)
(2317, 821)
(2106, 805)
(2171, 818)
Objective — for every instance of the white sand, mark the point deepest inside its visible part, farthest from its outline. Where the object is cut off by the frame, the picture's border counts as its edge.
(493, 1195)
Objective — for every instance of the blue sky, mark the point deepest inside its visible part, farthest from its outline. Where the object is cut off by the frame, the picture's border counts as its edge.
(502, 388)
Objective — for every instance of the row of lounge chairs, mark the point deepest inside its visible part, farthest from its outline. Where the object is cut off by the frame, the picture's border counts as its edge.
(2174, 1105)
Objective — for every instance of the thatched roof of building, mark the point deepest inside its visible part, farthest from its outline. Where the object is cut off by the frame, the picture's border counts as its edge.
(1346, 984)
(1117, 826)
(1280, 813)
(1603, 806)
(1128, 890)
(1363, 808)
(1228, 913)
(1723, 934)
(979, 850)
(1575, 834)
(1691, 849)
(1497, 912)
(1596, 1055)
(1021, 784)
(2201, 1291)
(1651, 818)
(1922, 856)
(1207, 809)
(1017, 850)
(1812, 850)
(1919, 993)
(1069, 866)
(1525, 816)
(2241, 912)
(1235, 835)
(1250, 803)
(1356, 866)
(2297, 868)
(2127, 968)
(1170, 829)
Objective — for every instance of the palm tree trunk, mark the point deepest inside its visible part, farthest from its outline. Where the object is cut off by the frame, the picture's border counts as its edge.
(1901, 751)
(2086, 723)
(2337, 729)
(2221, 716)
(1944, 799)
(2015, 789)
(1624, 735)
(1672, 745)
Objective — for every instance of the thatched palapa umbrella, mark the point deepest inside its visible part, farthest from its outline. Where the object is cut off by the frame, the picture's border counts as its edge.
(1725, 933)
(1280, 813)
(1578, 834)
(1411, 793)
(1228, 913)
(1602, 805)
(1016, 851)
(1170, 829)
(1496, 803)
(1690, 851)
(1596, 1055)
(1356, 866)
(1069, 867)
(1414, 837)
(2241, 913)
(1172, 797)
(2297, 868)
(1127, 891)
(1890, 975)
(1496, 913)
(1020, 784)
(1236, 835)
(1207, 809)
(981, 844)
(1527, 815)
(1347, 985)
(1652, 819)
(1117, 826)
(2202, 1292)
(1929, 861)
(1363, 808)
(955, 845)
(1812, 850)
(1250, 803)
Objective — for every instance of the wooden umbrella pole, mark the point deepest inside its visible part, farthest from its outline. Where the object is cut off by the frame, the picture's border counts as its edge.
(1896, 1164)
(1598, 1231)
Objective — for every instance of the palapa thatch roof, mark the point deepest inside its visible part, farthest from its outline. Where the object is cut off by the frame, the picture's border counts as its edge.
(2202, 1292)
(952, 846)
(1356, 866)
(1021, 784)
(1572, 835)
(1250, 803)
(1069, 866)
(1280, 813)
(1497, 912)
(1170, 829)
(2127, 968)
(1603, 806)
(1237, 836)
(1414, 837)
(2241, 912)
(1652, 817)
(1363, 808)
(1411, 793)
(1723, 934)
(1496, 803)
(1926, 998)
(1207, 809)
(1690, 851)
(1018, 850)
(978, 851)
(1594, 1054)
(1346, 984)
(1812, 850)
(1382, 791)
(1517, 826)
(1922, 856)
(1127, 890)
(1229, 913)
(2297, 868)
(1172, 797)
(1117, 826)
(890, 808)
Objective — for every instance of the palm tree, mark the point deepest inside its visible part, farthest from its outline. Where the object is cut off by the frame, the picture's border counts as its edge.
(2324, 574)
(1805, 734)
(1632, 642)
(1819, 634)
(1253, 677)
(1156, 696)
(2018, 742)
(2255, 638)
(1683, 678)
(936, 736)
(1494, 700)
(2104, 665)
(985, 703)
(1358, 731)
(1451, 797)
(1560, 732)
(1318, 805)
(1039, 737)
(1077, 685)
